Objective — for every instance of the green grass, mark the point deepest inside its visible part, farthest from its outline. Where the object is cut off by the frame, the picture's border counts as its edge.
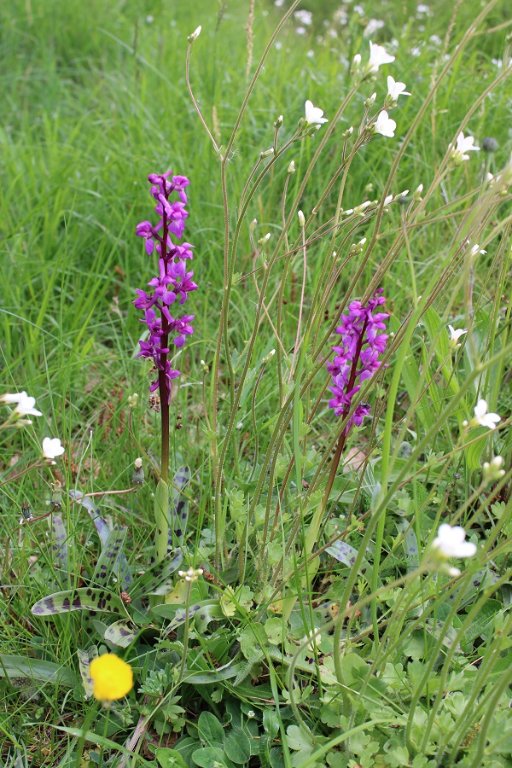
(418, 672)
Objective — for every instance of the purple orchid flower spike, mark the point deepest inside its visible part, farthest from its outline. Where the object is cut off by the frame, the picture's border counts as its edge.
(172, 285)
(362, 340)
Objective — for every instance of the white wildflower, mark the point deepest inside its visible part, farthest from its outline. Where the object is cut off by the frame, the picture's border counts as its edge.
(463, 145)
(24, 403)
(455, 334)
(384, 125)
(191, 575)
(450, 542)
(52, 447)
(396, 89)
(483, 418)
(378, 57)
(314, 115)
(373, 26)
(304, 17)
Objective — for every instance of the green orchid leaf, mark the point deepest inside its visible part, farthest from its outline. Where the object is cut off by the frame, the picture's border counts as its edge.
(109, 557)
(84, 660)
(157, 579)
(15, 667)
(59, 543)
(120, 633)
(179, 514)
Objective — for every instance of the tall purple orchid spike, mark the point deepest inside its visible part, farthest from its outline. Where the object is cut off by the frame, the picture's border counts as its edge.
(169, 290)
(357, 356)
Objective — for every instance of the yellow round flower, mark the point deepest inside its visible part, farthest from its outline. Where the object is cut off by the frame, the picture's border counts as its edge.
(111, 676)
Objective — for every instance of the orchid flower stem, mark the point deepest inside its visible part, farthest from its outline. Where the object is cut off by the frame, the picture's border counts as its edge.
(185, 632)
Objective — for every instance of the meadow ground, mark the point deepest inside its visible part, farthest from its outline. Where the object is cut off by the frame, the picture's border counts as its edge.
(327, 619)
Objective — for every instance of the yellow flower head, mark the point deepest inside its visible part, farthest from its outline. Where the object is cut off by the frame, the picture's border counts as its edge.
(111, 676)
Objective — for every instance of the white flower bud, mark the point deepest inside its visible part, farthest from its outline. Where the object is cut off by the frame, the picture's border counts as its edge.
(302, 219)
(195, 34)
(493, 470)
(291, 167)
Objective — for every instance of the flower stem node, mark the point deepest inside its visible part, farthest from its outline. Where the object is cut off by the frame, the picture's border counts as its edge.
(111, 676)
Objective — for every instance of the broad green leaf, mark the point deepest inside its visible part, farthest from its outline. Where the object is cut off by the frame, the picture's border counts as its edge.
(13, 667)
(253, 639)
(345, 554)
(207, 614)
(237, 747)
(210, 729)
(83, 599)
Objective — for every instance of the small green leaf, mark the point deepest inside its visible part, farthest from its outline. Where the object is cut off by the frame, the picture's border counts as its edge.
(169, 758)
(209, 757)
(271, 722)
(238, 747)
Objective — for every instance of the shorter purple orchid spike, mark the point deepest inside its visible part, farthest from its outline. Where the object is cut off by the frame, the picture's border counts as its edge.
(357, 356)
